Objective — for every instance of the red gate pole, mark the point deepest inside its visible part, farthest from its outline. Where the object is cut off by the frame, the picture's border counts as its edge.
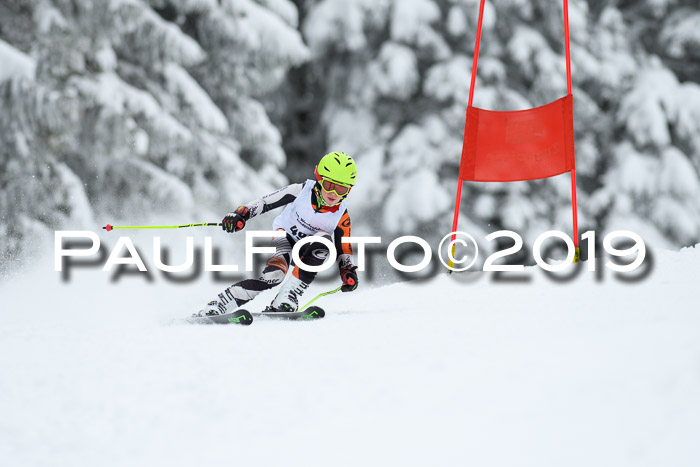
(460, 182)
(569, 92)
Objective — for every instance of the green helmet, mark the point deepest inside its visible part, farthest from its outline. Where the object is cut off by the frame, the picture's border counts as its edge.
(338, 167)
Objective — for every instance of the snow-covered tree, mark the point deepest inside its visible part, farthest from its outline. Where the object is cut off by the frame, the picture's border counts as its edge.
(129, 108)
(136, 107)
(394, 80)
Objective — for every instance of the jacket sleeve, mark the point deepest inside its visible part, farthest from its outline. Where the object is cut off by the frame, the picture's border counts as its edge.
(344, 250)
(274, 200)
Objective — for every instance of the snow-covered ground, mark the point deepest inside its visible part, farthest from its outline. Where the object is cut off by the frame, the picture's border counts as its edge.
(583, 373)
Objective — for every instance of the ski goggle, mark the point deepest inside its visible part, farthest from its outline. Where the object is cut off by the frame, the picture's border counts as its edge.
(333, 187)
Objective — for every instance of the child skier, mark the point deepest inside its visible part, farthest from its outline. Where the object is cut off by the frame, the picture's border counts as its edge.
(315, 207)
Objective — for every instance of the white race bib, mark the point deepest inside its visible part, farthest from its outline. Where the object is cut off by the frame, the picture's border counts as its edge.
(299, 219)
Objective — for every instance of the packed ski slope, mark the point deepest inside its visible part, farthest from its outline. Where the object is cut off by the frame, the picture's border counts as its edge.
(446, 372)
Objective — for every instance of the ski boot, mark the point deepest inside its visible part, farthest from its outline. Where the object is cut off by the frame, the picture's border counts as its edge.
(287, 299)
(283, 308)
(212, 308)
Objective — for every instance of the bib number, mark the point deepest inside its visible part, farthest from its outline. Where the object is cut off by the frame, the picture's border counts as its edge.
(296, 232)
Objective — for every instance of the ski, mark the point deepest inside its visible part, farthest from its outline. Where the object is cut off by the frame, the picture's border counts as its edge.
(246, 318)
(237, 317)
(310, 313)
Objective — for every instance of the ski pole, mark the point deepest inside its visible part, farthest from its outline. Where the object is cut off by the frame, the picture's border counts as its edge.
(205, 224)
(319, 296)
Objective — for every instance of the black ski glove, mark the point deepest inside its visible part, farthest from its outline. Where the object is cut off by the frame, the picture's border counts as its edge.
(349, 276)
(235, 221)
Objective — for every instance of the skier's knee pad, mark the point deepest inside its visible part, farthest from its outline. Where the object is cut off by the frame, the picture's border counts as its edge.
(311, 254)
(314, 253)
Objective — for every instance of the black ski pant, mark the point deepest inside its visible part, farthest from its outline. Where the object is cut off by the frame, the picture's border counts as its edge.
(275, 270)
